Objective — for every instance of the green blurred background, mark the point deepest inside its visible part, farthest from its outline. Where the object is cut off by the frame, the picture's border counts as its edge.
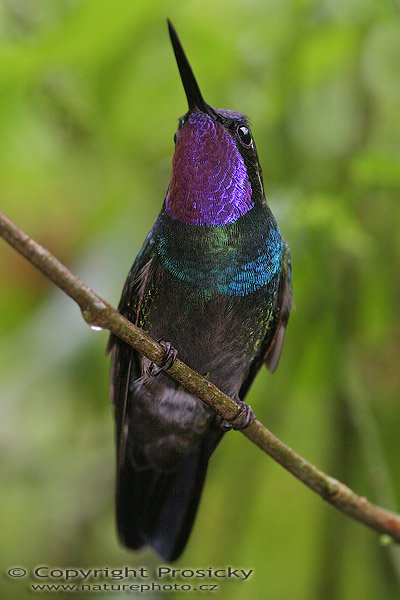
(89, 97)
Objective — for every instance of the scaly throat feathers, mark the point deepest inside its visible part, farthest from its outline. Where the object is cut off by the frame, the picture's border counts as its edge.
(235, 260)
(209, 183)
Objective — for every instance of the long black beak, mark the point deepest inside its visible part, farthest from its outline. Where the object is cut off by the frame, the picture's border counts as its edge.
(192, 90)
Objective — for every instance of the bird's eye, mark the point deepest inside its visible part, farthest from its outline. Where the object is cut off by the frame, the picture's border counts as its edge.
(181, 123)
(244, 135)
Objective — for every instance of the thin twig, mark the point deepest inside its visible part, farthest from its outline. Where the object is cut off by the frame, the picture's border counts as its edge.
(98, 312)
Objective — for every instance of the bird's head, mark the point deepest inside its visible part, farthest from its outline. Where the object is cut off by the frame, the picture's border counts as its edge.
(216, 176)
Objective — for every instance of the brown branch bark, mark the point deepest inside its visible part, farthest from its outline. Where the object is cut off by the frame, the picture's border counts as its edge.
(98, 312)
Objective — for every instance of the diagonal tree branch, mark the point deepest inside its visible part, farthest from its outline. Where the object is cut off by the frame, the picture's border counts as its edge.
(98, 312)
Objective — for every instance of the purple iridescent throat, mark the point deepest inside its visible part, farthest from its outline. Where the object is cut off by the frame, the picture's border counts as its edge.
(209, 183)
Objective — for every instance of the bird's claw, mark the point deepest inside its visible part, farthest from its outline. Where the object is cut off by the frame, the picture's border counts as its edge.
(170, 354)
(243, 418)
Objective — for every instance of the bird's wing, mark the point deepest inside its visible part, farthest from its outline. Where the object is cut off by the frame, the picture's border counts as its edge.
(124, 360)
(282, 312)
(271, 347)
(135, 283)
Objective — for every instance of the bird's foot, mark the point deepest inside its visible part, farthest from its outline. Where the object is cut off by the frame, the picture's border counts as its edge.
(170, 354)
(243, 418)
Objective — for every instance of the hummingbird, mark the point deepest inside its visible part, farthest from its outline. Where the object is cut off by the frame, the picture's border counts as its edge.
(212, 283)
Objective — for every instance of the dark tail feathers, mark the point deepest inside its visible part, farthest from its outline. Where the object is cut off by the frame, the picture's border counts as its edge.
(158, 508)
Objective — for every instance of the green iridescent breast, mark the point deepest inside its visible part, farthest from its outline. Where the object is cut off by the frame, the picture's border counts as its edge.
(233, 260)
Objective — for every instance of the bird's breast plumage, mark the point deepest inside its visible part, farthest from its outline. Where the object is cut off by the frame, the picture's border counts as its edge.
(236, 259)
